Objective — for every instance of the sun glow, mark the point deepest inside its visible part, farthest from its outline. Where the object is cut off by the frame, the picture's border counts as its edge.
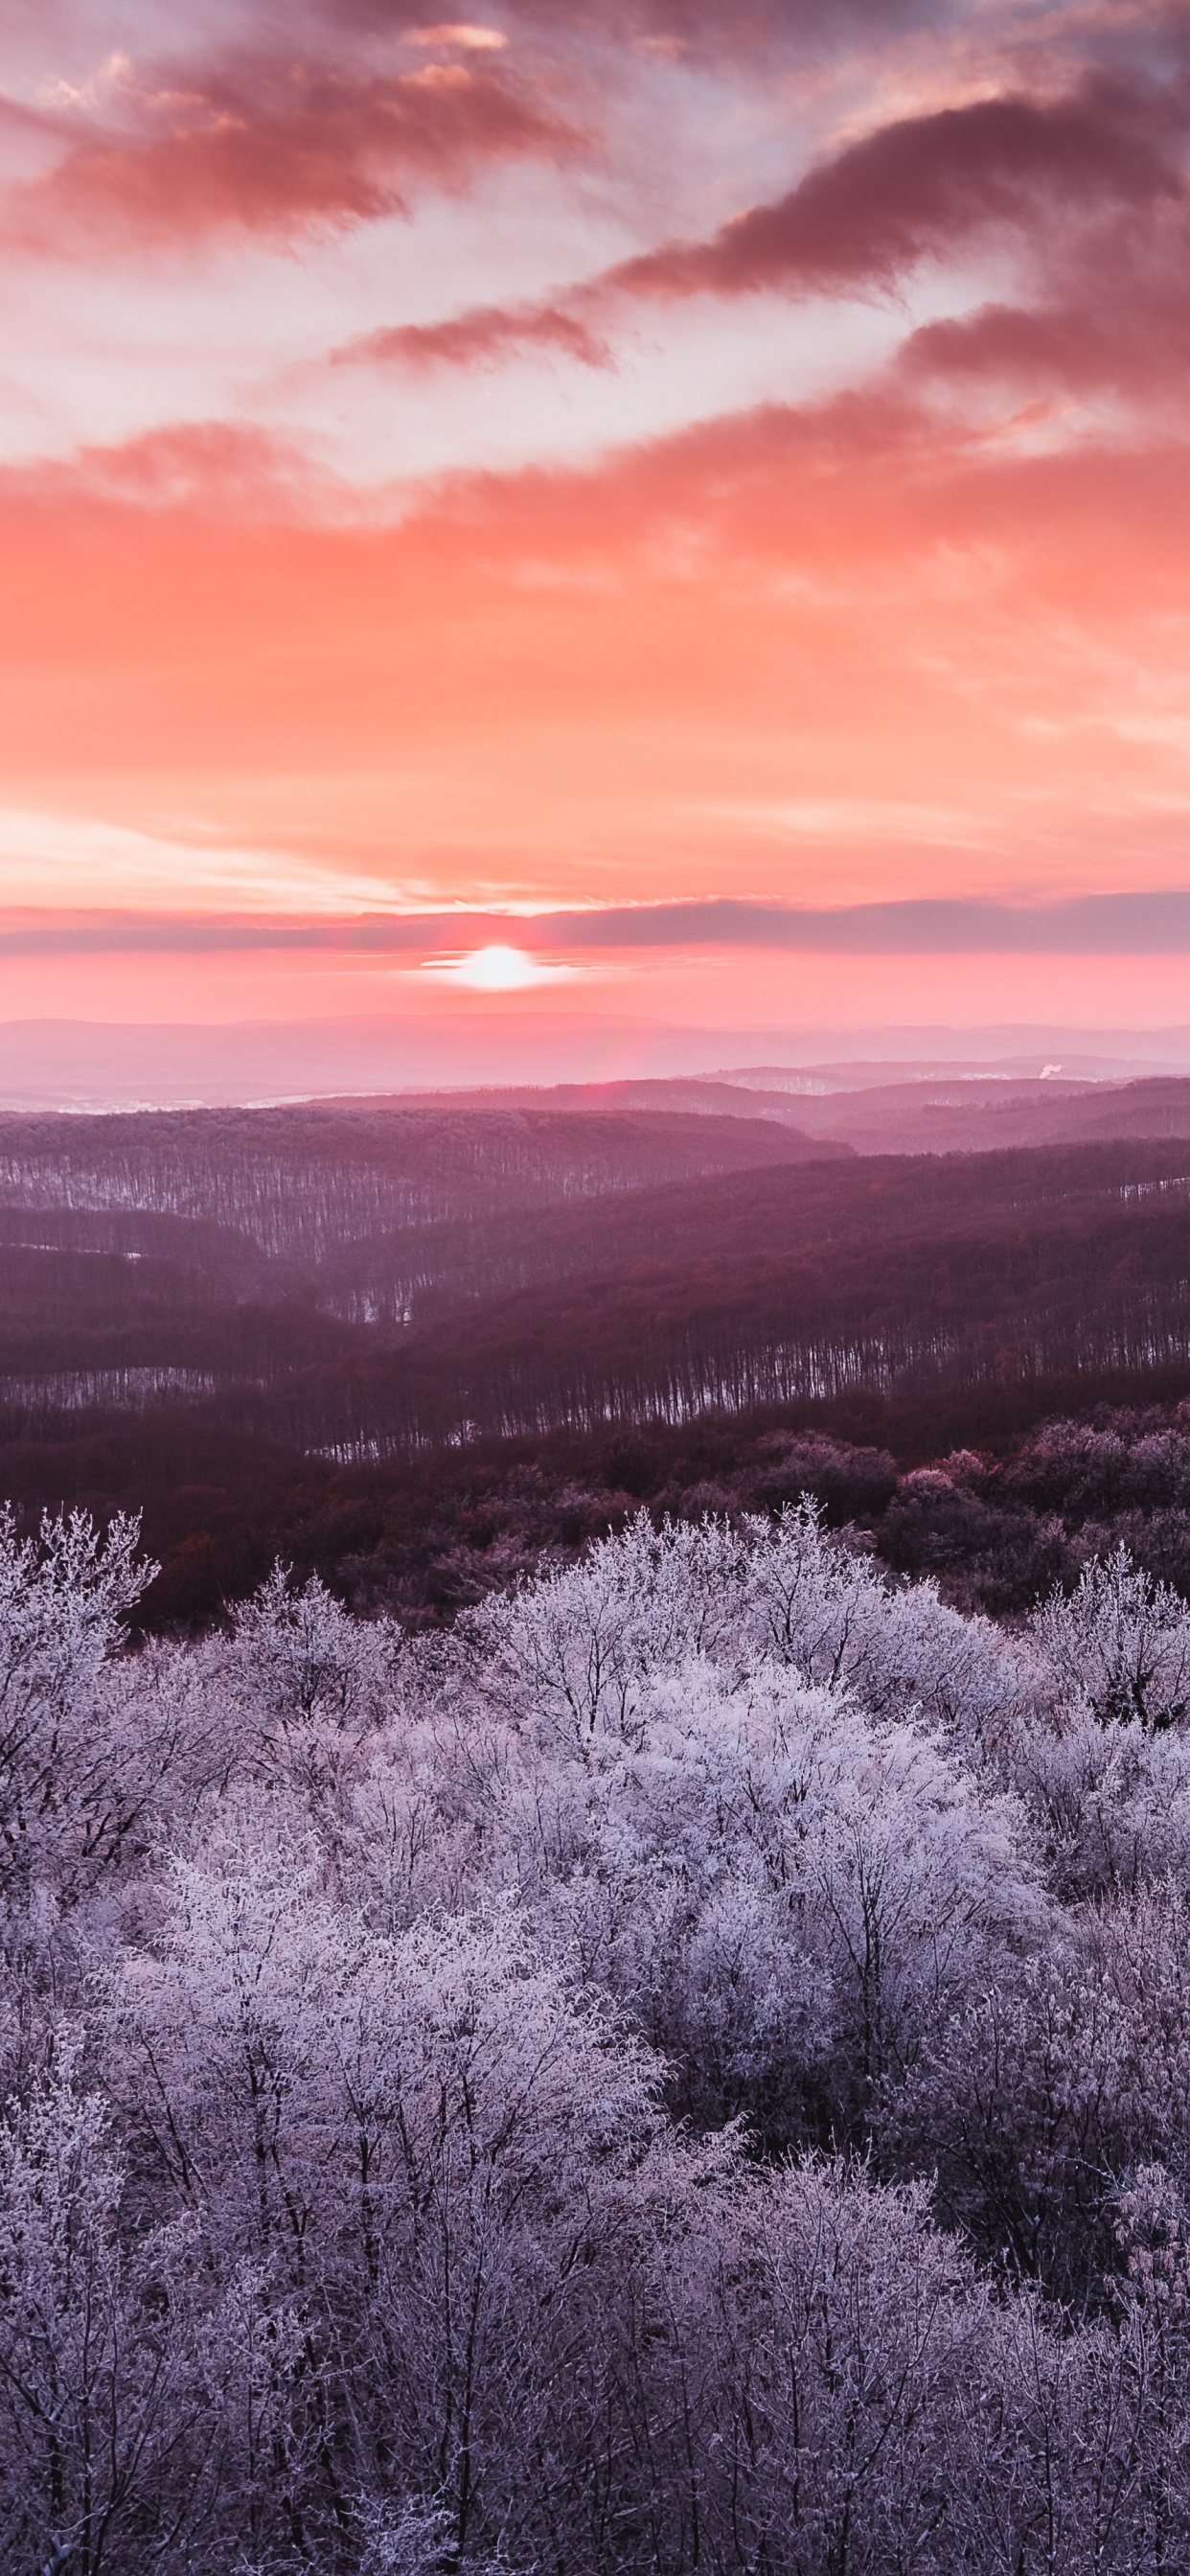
(499, 970)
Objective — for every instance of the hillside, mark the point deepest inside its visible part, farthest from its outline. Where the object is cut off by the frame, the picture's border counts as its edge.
(237, 1319)
(358, 1281)
(948, 1111)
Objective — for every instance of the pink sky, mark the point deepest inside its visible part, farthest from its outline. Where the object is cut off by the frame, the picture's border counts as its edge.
(575, 459)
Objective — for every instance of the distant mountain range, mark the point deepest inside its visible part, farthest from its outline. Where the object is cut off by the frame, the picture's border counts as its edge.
(931, 1113)
(95, 1066)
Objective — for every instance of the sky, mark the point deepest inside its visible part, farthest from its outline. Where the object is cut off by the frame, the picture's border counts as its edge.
(671, 515)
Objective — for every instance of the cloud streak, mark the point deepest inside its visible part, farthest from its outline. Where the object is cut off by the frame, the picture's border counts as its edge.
(1036, 173)
(1132, 924)
(486, 336)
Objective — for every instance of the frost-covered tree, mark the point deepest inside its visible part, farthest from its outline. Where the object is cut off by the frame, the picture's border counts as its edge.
(299, 1656)
(101, 2404)
(574, 1650)
(66, 1765)
(1109, 1800)
(1121, 1642)
(689, 2069)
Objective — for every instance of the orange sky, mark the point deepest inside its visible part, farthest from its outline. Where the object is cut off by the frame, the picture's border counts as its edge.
(568, 462)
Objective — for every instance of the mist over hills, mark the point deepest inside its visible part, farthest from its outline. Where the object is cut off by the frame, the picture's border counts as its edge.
(953, 1112)
(982, 1117)
(94, 1066)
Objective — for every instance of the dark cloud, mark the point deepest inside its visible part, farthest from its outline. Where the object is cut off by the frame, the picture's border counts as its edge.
(1113, 316)
(272, 143)
(1055, 174)
(706, 27)
(1132, 344)
(483, 336)
(921, 188)
(1139, 924)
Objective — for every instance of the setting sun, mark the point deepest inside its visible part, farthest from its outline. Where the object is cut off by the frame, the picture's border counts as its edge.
(499, 970)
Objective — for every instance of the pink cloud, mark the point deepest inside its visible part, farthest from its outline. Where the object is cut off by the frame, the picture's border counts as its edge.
(484, 336)
(470, 39)
(1050, 174)
(271, 143)
(221, 470)
(922, 187)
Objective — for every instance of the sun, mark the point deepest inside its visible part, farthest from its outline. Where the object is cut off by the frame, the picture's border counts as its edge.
(499, 970)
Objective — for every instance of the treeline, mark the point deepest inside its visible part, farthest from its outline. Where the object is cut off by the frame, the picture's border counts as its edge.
(300, 1183)
(685, 2072)
(771, 1283)
(975, 1491)
(413, 1413)
(1027, 1296)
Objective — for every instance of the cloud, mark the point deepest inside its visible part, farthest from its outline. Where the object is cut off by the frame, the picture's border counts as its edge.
(921, 188)
(269, 143)
(486, 335)
(917, 188)
(150, 875)
(851, 491)
(707, 28)
(622, 677)
(469, 39)
(466, 947)
(1136, 345)
(215, 468)
(1113, 316)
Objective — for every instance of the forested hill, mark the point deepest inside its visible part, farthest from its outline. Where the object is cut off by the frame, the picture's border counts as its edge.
(746, 1291)
(950, 1111)
(158, 1249)
(334, 1286)
(217, 1314)
(300, 1182)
